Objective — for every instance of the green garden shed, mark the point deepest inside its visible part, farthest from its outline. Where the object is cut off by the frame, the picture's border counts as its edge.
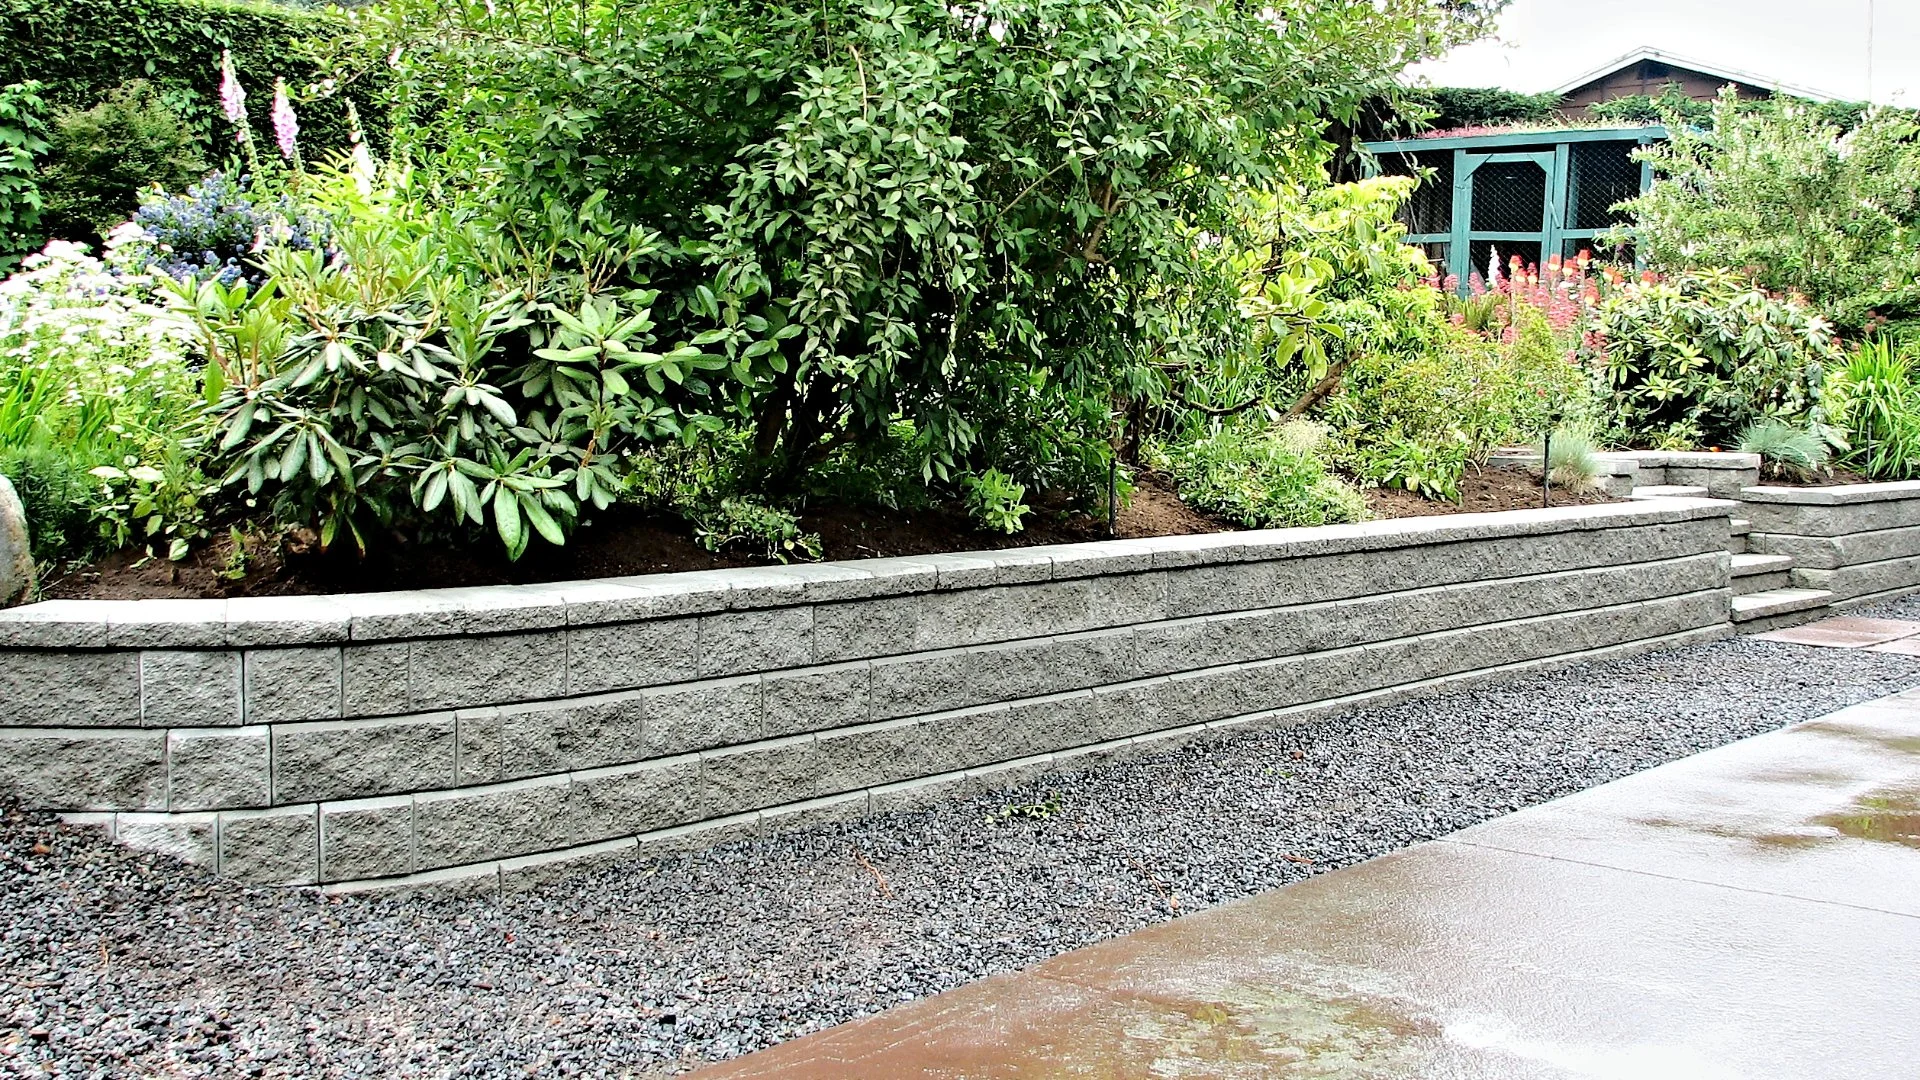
(1532, 193)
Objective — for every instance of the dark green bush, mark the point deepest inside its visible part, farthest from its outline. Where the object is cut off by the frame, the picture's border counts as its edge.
(23, 130)
(1470, 106)
(101, 157)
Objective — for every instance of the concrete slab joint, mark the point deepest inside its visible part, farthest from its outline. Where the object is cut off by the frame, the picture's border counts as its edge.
(460, 735)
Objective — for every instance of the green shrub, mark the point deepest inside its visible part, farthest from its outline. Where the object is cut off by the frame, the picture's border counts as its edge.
(102, 157)
(1260, 476)
(1696, 359)
(745, 523)
(23, 132)
(1429, 465)
(993, 500)
(1786, 452)
(1874, 405)
(1473, 106)
(1570, 456)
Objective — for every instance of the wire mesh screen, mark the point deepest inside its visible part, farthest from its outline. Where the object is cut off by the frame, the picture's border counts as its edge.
(1509, 196)
(1598, 248)
(1484, 252)
(1603, 173)
(1437, 257)
(1431, 208)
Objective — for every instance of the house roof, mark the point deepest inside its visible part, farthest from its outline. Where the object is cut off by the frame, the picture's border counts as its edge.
(1714, 70)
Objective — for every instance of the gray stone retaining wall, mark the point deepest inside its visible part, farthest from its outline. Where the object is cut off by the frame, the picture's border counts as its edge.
(1859, 541)
(424, 736)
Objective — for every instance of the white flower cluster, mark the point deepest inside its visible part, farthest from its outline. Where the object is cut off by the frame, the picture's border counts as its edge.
(976, 19)
(69, 317)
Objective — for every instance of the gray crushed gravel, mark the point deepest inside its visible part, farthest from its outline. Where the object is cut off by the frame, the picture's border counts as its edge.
(119, 964)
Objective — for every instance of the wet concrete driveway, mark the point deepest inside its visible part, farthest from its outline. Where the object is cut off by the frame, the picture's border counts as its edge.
(1749, 912)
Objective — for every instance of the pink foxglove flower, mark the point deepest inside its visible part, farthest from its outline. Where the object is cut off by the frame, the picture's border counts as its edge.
(233, 99)
(286, 127)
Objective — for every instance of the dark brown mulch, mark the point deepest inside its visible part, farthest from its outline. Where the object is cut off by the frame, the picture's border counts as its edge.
(1483, 491)
(1829, 478)
(625, 542)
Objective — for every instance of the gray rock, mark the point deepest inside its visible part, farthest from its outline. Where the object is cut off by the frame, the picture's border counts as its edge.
(16, 554)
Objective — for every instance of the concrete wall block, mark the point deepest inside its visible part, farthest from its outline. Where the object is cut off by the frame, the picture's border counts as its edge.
(609, 803)
(218, 768)
(814, 813)
(740, 642)
(926, 622)
(271, 847)
(1865, 579)
(374, 679)
(366, 838)
(289, 685)
(1024, 774)
(477, 741)
(166, 624)
(910, 795)
(189, 688)
(701, 716)
(1721, 483)
(1207, 590)
(958, 678)
(191, 838)
(526, 873)
(355, 759)
(1031, 729)
(471, 825)
(765, 774)
(882, 753)
(817, 699)
(1798, 519)
(454, 673)
(69, 689)
(558, 737)
(85, 770)
(260, 621)
(1832, 553)
(624, 656)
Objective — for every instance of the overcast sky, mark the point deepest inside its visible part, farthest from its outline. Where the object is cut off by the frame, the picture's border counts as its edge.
(1817, 44)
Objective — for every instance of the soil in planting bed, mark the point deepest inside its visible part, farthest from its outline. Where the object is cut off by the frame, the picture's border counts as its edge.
(1484, 491)
(1830, 478)
(122, 964)
(625, 542)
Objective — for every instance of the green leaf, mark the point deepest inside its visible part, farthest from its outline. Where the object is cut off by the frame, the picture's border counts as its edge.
(506, 520)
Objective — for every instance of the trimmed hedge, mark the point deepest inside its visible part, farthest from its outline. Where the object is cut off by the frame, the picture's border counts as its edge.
(83, 49)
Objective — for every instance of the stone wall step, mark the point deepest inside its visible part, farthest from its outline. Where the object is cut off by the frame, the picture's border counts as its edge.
(1776, 602)
(1741, 526)
(1755, 565)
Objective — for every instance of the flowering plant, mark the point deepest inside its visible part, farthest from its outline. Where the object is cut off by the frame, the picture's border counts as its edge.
(218, 228)
(97, 378)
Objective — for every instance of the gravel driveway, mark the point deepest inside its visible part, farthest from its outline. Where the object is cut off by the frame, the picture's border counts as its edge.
(119, 964)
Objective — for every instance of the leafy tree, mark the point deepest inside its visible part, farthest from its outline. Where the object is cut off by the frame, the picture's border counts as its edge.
(1780, 194)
